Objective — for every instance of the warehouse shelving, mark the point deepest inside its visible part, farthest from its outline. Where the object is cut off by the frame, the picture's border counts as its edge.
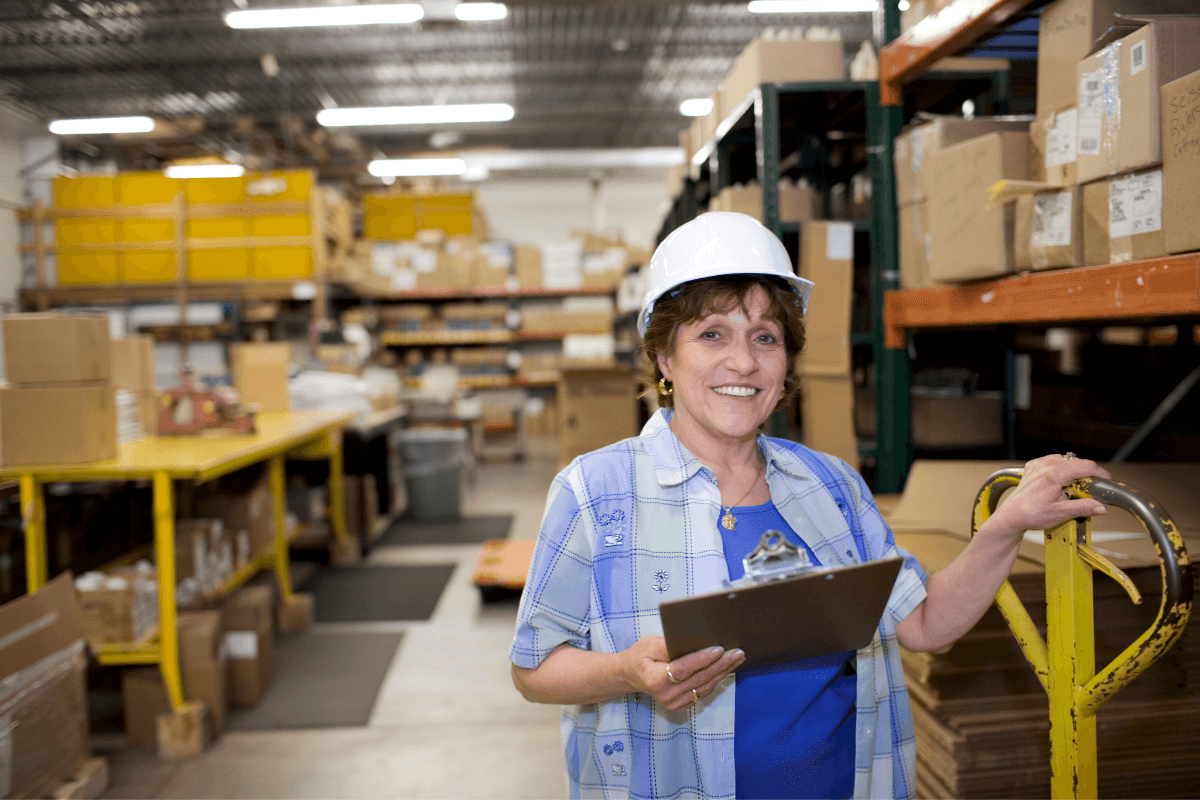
(1137, 290)
(328, 240)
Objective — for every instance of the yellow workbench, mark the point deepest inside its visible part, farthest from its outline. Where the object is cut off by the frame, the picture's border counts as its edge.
(165, 459)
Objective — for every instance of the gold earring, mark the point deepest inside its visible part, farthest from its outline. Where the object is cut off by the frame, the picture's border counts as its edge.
(662, 387)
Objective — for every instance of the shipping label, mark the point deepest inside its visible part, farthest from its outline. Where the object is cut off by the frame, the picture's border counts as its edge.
(1135, 205)
(1091, 113)
(1052, 219)
(1061, 139)
(839, 241)
(1137, 58)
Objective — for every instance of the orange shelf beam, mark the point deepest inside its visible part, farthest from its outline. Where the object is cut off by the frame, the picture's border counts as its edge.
(1160, 287)
(946, 33)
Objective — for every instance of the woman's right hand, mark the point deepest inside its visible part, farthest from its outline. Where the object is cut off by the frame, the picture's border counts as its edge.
(647, 669)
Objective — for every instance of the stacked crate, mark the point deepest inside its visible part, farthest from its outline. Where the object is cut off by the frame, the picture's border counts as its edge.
(133, 227)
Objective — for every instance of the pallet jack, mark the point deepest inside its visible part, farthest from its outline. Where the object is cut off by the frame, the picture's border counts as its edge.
(1065, 662)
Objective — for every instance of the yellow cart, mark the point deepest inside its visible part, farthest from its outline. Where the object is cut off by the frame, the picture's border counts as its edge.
(308, 435)
(1065, 661)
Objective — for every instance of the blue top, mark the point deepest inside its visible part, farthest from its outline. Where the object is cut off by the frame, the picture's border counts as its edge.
(804, 746)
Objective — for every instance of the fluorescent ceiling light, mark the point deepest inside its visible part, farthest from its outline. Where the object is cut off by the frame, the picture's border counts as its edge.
(69, 127)
(412, 167)
(415, 115)
(811, 6)
(480, 12)
(382, 14)
(612, 158)
(696, 107)
(205, 171)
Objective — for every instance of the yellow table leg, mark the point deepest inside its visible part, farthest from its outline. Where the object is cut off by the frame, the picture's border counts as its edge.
(33, 515)
(164, 547)
(337, 506)
(1070, 640)
(277, 476)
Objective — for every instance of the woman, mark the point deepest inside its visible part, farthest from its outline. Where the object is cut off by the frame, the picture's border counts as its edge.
(671, 513)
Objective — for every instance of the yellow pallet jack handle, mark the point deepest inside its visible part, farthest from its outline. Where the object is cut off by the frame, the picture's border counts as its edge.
(1065, 662)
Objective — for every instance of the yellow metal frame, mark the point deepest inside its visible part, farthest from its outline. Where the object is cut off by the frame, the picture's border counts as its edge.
(302, 435)
(1065, 662)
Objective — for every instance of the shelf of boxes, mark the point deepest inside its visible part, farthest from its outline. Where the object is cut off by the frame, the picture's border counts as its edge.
(143, 237)
(943, 33)
(1139, 290)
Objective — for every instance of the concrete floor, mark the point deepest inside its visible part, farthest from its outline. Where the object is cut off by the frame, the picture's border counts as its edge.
(447, 722)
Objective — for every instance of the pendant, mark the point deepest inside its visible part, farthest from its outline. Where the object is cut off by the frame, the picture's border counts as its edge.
(728, 521)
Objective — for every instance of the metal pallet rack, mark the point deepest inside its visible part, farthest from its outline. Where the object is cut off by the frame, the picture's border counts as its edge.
(1157, 289)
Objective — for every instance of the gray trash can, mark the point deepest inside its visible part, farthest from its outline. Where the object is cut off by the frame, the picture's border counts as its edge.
(433, 461)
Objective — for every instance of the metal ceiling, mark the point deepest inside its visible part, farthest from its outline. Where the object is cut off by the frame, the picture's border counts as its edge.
(579, 74)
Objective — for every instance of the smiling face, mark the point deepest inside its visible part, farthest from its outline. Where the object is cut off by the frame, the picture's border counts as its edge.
(728, 371)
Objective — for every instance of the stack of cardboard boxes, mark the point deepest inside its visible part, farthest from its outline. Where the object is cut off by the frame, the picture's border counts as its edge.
(1110, 160)
(59, 406)
(827, 259)
(227, 660)
(766, 61)
(133, 371)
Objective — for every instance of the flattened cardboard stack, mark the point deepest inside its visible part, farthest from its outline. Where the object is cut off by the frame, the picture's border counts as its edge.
(982, 718)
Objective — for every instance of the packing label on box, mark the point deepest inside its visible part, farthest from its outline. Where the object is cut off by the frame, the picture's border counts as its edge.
(839, 241)
(1061, 138)
(1137, 57)
(1135, 205)
(1052, 219)
(241, 644)
(1091, 113)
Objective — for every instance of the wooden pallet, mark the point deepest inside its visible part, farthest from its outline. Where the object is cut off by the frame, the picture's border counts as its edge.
(90, 781)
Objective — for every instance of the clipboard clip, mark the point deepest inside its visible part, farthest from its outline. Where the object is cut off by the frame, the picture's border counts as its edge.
(775, 558)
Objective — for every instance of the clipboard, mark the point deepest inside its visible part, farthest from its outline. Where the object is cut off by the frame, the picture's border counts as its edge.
(783, 609)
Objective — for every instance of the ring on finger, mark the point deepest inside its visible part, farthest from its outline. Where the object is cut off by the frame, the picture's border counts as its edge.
(696, 695)
(671, 677)
(1068, 455)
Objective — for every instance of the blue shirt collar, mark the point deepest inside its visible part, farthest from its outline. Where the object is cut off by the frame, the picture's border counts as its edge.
(674, 465)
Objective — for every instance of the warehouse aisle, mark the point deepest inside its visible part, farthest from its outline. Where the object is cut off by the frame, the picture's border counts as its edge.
(447, 722)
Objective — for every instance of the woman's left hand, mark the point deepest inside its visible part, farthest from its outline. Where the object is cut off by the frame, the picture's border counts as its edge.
(1039, 502)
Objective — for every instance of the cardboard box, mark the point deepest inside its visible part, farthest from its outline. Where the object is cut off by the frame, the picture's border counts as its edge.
(527, 262)
(296, 613)
(249, 642)
(967, 239)
(148, 412)
(59, 424)
(43, 693)
(1181, 163)
(1120, 116)
(914, 148)
(133, 364)
(1122, 218)
(1048, 230)
(122, 610)
(781, 62)
(1067, 33)
(260, 374)
(827, 409)
(1053, 141)
(827, 259)
(942, 418)
(798, 202)
(599, 407)
(249, 509)
(914, 246)
(57, 348)
(204, 671)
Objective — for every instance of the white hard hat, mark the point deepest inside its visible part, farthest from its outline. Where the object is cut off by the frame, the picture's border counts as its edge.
(717, 243)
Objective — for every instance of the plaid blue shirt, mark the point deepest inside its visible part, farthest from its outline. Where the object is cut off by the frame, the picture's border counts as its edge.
(634, 524)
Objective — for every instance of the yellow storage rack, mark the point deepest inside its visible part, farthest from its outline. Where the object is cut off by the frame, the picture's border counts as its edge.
(154, 237)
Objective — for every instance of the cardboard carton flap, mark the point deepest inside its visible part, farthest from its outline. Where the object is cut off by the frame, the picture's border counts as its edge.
(39, 625)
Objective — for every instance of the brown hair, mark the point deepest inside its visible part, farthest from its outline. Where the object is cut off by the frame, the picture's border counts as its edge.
(696, 300)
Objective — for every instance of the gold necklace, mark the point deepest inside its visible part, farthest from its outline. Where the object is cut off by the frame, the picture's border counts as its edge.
(729, 521)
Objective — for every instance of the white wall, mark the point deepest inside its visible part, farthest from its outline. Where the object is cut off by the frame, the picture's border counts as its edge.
(537, 210)
(12, 130)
